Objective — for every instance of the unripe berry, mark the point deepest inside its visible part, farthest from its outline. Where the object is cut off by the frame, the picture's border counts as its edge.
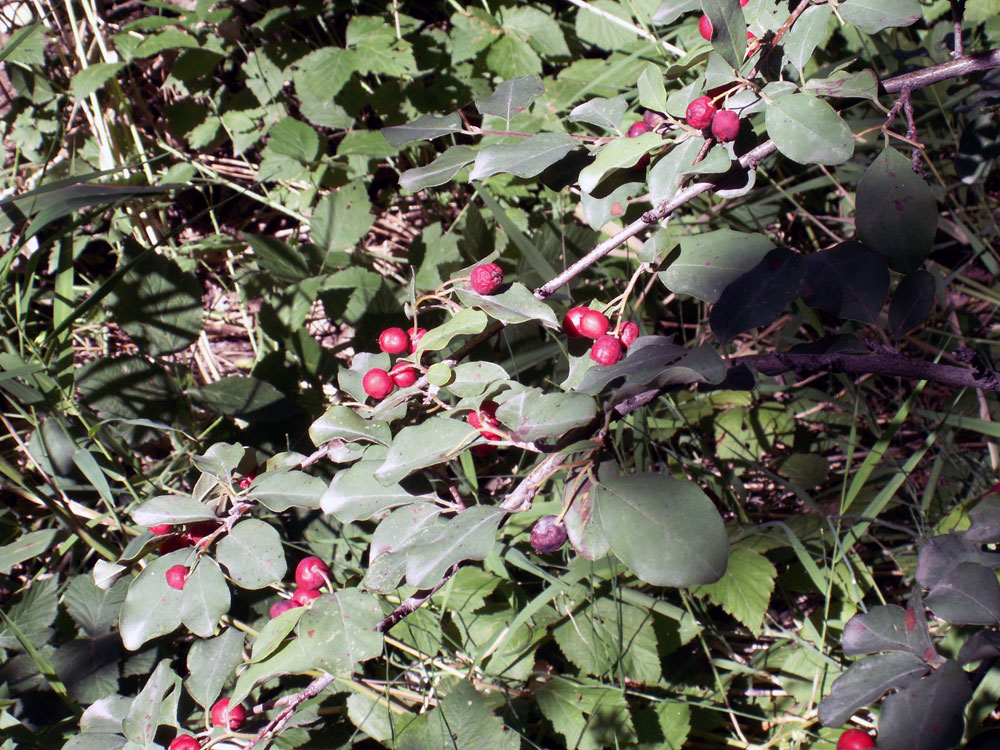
(184, 742)
(311, 573)
(629, 333)
(415, 335)
(177, 576)
(725, 125)
(304, 597)
(594, 324)
(606, 350)
(160, 529)
(571, 323)
(281, 606)
(637, 129)
(705, 27)
(485, 418)
(393, 341)
(377, 383)
(700, 113)
(548, 534)
(855, 739)
(403, 375)
(237, 714)
(486, 278)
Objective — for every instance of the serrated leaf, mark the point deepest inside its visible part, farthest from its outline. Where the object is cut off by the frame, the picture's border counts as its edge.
(745, 590)
(294, 139)
(533, 415)
(760, 295)
(93, 77)
(278, 258)
(93, 609)
(282, 490)
(355, 495)
(341, 423)
(424, 128)
(511, 97)
(516, 304)
(867, 681)
(431, 442)
(242, 396)
(338, 630)
(342, 218)
(526, 158)
(252, 554)
(808, 130)
(607, 635)
(912, 302)
(211, 663)
(606, 114)
(172, 509)
(25, 547)
(589, 715)
(439, 171)
(461, 720)
(871, 16)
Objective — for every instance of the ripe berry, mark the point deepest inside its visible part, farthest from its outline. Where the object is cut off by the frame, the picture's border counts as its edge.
(705, 27)
(637, 129)
(281, 606)
(855, 739)
(700, 113)
(160, 529)
(393, 341)
(743, 3)
(304, 597)
(606, 350)
(245, 481)
(200, 531)
(548, 534)
(485, 418)
(174, 543)
(237, 714)
(177, 576)
(653, 119)
(377, 383)
(725, 125)
(571, 323)
(415, 335)
(594, 324)
(311, 573)
(486, 278)
(184, 742)
(629, 333)
(403, 375)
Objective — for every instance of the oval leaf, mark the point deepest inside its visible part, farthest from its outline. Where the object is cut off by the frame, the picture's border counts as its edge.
(281, 490)
(252, 554)
(339, 630)
(355, 494)
(808, 130)
(526, 158)
(172, 509)
(912, 302)
(433, 441)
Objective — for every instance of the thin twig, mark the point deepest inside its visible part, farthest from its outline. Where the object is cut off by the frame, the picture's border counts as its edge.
(275, 725)
(413, 603)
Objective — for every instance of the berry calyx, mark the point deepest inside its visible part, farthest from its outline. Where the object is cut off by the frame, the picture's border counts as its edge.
(311, 573)
(700, 112)
(377, 383)
(281, 606)
(485, 418)
(725, 125)
(571, 322)
(628, 334)
(177, 576)
(705, 27)
(403, 375)
(160, 529)
(305, 597)
(548, 534)
(594, 324)
(606, 351)
(237, 714)
(393, 341)
(184, 742)
(855, 739)
(415, 335)
(486, 278)
(637, 129)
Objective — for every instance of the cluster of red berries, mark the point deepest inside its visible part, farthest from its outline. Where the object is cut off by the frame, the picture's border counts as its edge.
(194, 534)
(310, 574)
(701, 113)
(582, 322)
(237, 718)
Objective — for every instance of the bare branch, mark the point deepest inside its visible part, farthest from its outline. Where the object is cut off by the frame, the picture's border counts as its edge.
(290, 703)
(413, 603)
(957, 68)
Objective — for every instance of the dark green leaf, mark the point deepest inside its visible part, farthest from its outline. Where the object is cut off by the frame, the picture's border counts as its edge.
(516, 304)
(525, 158)
(911, 302)
(172, 509)
(867, 681)
(533, 415)
(619, 154)
(424, 128)
(967, 595)
(341, 423)
(871, 16)
(205, 598)
(355, 494)
(808, 130)
(470, 535)
(439, 171)
(252, 554)
(339, 630)
(729, 30)
(283, 261)
(884, 628)
(145, 715)
(281, 490)
(511, 97)
(211, 663)
(711, 261)
(431, 442)
(606, 114)
(849, 281)
(342, 218)
(151, 607)
(760, 295)
(463, 323)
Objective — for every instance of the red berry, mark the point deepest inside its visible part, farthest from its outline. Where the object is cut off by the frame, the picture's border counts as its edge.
(725, 125)
(281, 606)
(174, 543)
(311, 573)
(177, 576)
(594, 324)
(247, 480)
(606, 350)
(393, 341)
(160, 529)
(377, 383)
(486, 278)
(304, 597)
(629, 333)
(200, 531)
(237, 714)
(637, 129)
(184, 742)
(403, 375)
(705, 27)
(571, 322)
(484, 418)
(700, 113)
(548, 534)
(743, 3)
(415, 335)
(855, 739)
(653, 119)
(482, 450)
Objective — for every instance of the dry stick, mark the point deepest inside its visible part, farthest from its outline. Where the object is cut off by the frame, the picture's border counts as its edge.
(290, 703)
(413, 603)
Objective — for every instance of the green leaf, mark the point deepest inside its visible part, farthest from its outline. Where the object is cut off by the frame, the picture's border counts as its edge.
(392, 541)
(145, 714)
(588, 714)
(252, 554)
(431, 442)
(607, 635)
(669, 11)
(294, 139)
(342, 423)
(619, 154)
(533, 415)
(167, 39)
(516, 304)
(871, 16)
(470, 535)
(280, 259)
(439, 171)
(711, 261)
(338, 630)
(666, 530)
(205, 598)
(323, 72)
(439, 258)
(666, 174)
(25, 547)
(652, 93)
(210, 663)
(424, 128)
(355, 495)
(378, 49)
(808, 31)
(470, 379)
(342, 218)
(242, 396)
(93, 77)
(536, 28)
(220, 460)
(729, 30)
(867, 681)
(282, 490)
(511, 97)
(463, 323)
(151, 607)
(472, 30)
(897, 212)
(93, 609)
(461, 720)
(745, 590)
(808, 130)
(848, 280)
(595, 29)
(274, 633)
(604, 113)
(439, 374)
(912, 302)
(172, 509)
(525, 158)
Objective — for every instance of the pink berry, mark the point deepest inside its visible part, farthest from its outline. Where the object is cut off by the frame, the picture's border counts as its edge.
(700, 113)
(743, 3)
(629, 333)
(311, 573)
(377, 383)
(725, 125)
(571, 322)
(548, 534)
(393, 341)
(415, 335)
(486, 278)
(637, 129)
(705, 27)
(403, 375)
(281, 606)
(160, 529)
(485, 418)
(177, 576)
(237, 714)
(245, 481)
(594, 324)
(305, 597)
(855, 739)
(606, 350)
(184, 742)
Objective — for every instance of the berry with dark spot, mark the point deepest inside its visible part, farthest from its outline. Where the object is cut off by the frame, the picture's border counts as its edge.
(629, 333)
(548, 535)
(700, 112)
(637, 129)
(281, 606)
